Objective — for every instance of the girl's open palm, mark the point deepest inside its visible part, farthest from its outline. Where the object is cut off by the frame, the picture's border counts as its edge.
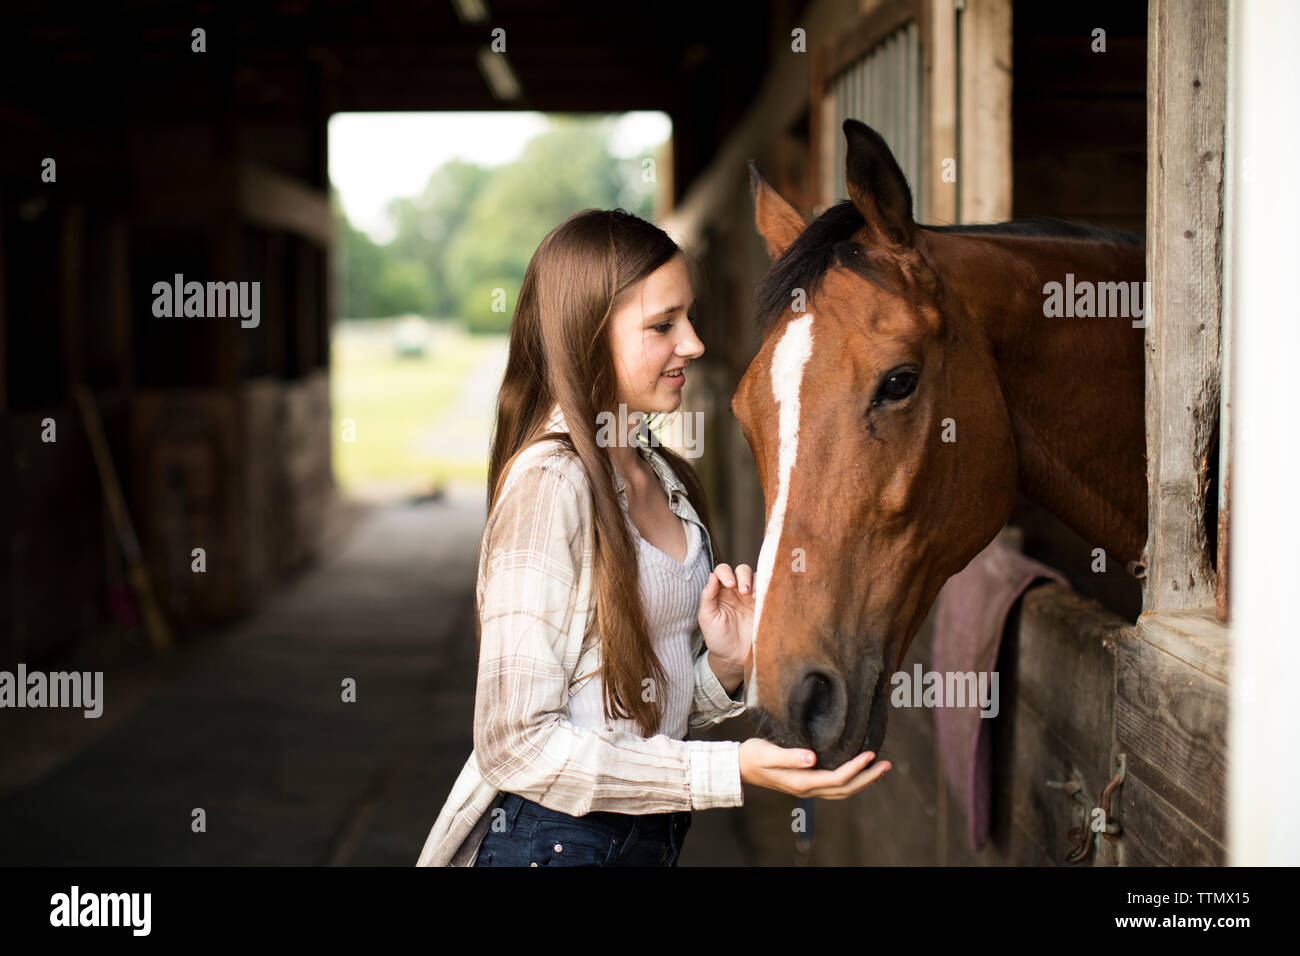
(788, 770)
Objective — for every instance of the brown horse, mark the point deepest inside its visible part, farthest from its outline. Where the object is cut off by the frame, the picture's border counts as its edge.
(910, 380)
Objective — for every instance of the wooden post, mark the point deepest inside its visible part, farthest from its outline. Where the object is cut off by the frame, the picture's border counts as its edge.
(985, 147)
(938, 110)
(1186, 63)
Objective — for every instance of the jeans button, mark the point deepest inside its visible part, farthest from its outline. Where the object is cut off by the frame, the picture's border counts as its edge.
(558, 848)
(532, 864)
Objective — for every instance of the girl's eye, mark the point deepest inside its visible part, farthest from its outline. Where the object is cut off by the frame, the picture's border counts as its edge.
(662, 327)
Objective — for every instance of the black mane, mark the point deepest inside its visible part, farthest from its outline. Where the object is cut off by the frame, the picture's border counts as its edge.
(805, 261)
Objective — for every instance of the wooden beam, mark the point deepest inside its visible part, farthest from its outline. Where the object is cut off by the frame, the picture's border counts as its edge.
(271, 198)
(1187, 61)
(985, 161)
(938, 110)
(876, 24)
(781, 99)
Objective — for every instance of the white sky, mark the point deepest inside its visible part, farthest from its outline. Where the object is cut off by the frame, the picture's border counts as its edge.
(375, 157)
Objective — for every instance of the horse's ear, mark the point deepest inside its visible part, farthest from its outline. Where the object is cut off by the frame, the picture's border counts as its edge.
(778, 221)
(877, 186)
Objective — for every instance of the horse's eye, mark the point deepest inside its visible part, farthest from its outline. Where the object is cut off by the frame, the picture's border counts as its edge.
(897, 385)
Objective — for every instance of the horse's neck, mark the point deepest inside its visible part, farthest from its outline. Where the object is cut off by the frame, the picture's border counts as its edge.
(1073, 386)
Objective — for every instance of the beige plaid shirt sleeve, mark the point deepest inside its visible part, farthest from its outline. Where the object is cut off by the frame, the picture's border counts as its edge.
(711, 703)
(523, 738)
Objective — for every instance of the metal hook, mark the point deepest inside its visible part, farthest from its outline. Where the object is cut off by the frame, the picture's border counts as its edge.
(1080, 836)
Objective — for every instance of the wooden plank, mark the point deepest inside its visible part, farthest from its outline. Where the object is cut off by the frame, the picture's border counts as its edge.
(1026, 851)
(272, 199)
(1157, 834)
(820, 126)
(1194, 637)
(184, 467)
(1031, 819)
(873, 28)
(985, 139)
(1187, 54)
(1058, 676)
(1171, 720)
(1056, 673)
(1065, 669)
(938, 111)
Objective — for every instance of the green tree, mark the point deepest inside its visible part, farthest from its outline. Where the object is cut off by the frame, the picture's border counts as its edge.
(426, 224)
(357, 264)
(472, 230)
(402, 286)
(563, 170)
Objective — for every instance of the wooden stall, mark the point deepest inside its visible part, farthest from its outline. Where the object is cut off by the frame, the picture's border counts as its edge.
(997, 110)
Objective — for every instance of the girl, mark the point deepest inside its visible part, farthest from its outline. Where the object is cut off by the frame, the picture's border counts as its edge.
(605, 631)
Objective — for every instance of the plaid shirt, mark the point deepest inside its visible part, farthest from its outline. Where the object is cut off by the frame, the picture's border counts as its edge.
(535, 580)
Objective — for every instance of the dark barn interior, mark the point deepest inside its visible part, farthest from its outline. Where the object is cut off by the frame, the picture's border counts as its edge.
(132, 156)
(172, 161)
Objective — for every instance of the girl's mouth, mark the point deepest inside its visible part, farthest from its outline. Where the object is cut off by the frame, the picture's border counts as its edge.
(675, 378)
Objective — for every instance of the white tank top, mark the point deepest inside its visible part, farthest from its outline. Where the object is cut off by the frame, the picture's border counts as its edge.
(671, 592)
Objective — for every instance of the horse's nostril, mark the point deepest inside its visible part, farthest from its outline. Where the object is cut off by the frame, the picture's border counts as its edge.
(817, 707)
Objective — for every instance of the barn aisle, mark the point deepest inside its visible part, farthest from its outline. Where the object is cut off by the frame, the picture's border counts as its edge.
(248, 723)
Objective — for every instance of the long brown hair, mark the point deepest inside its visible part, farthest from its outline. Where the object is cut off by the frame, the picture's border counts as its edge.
(580, 275)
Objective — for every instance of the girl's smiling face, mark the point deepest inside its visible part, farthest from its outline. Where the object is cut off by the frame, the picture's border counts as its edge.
(652, 334)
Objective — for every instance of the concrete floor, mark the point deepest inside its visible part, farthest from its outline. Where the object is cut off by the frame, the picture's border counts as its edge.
(247, 723)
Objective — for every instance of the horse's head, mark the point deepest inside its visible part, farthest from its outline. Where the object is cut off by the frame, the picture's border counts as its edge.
(883, 446)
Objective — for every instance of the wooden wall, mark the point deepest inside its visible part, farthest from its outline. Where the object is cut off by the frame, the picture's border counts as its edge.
(1085, 678)
(219, 433)
(1079, 686)
(1079, 117)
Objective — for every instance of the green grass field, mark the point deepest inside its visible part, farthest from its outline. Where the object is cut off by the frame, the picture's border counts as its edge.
(412, 420)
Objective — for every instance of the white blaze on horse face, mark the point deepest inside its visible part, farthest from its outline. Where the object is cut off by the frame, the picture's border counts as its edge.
(788, 361)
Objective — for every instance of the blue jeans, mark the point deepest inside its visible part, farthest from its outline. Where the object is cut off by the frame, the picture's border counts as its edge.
(533, 835)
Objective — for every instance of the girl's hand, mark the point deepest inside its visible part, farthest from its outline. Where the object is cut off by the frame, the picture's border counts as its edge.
(765, 764)
(726, 616)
